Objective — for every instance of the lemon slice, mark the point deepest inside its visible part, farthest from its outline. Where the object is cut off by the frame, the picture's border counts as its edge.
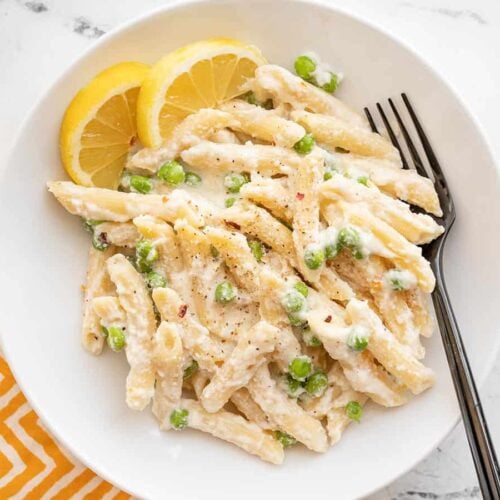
(199, 75)
(99, 126)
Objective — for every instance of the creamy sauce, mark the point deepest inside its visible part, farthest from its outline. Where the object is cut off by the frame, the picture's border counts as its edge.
(397, 279)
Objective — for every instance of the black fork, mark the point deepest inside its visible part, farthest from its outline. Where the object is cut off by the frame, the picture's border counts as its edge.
(481, 445)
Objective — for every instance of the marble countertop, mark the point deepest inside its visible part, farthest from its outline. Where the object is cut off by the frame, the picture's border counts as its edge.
(461, 38)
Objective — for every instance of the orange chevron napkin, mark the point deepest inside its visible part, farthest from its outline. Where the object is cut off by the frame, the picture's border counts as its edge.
(32, 464)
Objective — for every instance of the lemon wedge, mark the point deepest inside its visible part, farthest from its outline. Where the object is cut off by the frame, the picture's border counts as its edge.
(199, 75)
(99, 126)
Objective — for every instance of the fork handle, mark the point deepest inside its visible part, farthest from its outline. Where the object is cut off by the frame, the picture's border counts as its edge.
(476, 428)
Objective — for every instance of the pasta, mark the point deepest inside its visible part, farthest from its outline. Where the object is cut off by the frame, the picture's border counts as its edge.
(274, 292)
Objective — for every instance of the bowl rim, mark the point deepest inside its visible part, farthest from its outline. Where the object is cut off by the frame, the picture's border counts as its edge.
(102, 471)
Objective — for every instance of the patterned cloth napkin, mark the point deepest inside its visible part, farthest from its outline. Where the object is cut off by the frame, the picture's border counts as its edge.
(32, 464)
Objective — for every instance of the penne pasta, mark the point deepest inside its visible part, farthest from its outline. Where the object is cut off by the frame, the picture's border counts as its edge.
(264, 125)
(287, 414)
(195, 128)
(416, 228)
(97, 284)
(224, 136)
(337, 419)
(406, 185)
(237, 255)
(392, 306)
(260, 224)
(334, 133)
(396, 358)
(400, 251)
(263, 159)
(167, 361)
(308, 176)
(120, 234)
(271, 194)
(109, 311)
(251, 410)
(109, 205)
(234, 429)
(249, 354)
(288, 88)
(141, 326)
(197, 340)
(272, 287)
(359, 368)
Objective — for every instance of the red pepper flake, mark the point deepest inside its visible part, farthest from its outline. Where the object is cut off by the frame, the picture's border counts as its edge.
(182, 310)
(328, 319)
(233, 224)
(300, 196)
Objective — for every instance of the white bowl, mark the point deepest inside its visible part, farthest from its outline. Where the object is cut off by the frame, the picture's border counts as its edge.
(43, 250)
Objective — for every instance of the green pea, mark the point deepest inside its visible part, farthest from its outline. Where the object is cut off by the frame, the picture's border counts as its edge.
(332, 85)
(99, 241)
(285, 439)
(146, 253)
(300, 368)
(293, 301)
(331, 251)
(191, 369)
(305, 145)
(172, 173)
(234, 181)
(251, 99)
(354, 410)
(140, 184)
(179, 419)
(257, 249)
(302, 288)
(304, 66)
(314, 258)
(349, 238)
(90, 224)
(296, 320)
(400, 280)
(310, 339)
(214, 252)
(104, 332)
(363, 180)
(192, 179)
(329, 171)
(115, 338)
(230, 202)
(396, 284)
(155, 280)
(294, 387)
(224, 293)
(316, 384)
(357, 339)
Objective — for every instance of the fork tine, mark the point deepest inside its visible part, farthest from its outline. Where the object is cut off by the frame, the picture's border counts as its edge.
(392, 135)
(439, 179)
(419, 166)
(423, 138)
(371, 121)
